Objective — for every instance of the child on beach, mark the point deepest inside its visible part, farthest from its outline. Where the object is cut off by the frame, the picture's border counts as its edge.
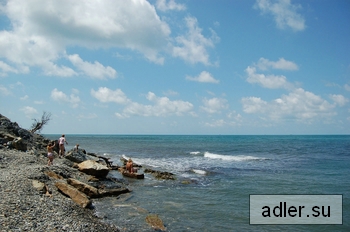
(61, 142)
(50, 153)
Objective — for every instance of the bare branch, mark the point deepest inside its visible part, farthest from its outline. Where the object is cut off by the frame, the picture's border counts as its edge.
(38, 125)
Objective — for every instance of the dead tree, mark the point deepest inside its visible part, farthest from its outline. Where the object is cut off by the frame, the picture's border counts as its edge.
(38, 125)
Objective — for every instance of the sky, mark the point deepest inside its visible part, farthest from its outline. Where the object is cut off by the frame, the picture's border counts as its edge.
(177, 66)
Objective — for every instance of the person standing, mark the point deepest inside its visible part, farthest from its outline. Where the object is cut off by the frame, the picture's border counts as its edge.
(61, 142)
(50, 153)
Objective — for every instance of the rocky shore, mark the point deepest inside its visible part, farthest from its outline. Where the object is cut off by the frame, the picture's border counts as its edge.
(37, 197)
(31, 198)
(26, 208)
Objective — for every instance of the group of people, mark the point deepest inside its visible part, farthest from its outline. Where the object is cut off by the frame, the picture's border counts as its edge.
(50, 147)
(61, 141)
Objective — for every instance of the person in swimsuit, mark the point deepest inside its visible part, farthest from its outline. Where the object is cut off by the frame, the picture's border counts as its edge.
(50, 153)
(129, 166)
(61, 142)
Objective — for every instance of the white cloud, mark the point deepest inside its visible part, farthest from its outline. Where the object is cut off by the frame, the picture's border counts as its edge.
(61, 97)
(29, 111)
(170, 93)
(347, 87)
(265, 64)
(270, 81)
(339, 99)
(161, 107)
(5, 68)
(95, 70)
(43, 29)
(204, 77)
(299, 105)
(4, 91)
(267, 81)
(254, 105)
(163, 5)
(284, 13)
(103, 94)
(193, 46)
(24, 98)
(214, 105)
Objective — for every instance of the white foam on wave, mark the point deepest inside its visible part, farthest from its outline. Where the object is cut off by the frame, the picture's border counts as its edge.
(195, 152)
(231, 157)
(200, 172)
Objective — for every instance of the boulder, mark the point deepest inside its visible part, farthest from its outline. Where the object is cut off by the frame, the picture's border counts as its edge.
(77, 196)
(40, 186)
(19, 144)
(77, 156)
(93, 168)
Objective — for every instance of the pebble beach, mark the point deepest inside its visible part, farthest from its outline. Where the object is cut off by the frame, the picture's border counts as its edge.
(24, 208)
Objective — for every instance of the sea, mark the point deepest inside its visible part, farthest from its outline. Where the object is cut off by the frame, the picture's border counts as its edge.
(216, 175)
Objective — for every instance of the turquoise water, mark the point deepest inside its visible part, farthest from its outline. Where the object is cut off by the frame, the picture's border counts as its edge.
(216, 175)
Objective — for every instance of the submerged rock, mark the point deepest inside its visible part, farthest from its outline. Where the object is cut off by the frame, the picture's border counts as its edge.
(155, 222)
(160, 174)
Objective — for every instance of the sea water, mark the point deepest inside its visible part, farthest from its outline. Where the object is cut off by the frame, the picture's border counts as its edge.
(215, 176)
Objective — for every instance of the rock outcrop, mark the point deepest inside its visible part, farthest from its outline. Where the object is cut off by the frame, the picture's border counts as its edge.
(77, 196)
(93, 168)
(77, 156)
(160, 174)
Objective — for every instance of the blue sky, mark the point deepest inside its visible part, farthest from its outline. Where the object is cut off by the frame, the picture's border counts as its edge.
(177, 66)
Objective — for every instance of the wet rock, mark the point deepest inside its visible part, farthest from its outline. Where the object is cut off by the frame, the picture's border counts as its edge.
(160, 174)
(156, 223)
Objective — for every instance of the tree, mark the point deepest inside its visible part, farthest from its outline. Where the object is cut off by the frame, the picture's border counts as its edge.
(38, 125)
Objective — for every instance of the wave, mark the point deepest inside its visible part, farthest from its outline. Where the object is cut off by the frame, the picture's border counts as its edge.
(195, 152)
(231, 157)
(200, 172)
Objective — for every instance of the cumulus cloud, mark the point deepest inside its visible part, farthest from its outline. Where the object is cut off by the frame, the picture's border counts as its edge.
(204, 77)
(159, 107)
(43, 29)
(61, 97)
(298, 104)
(214, 105)
(193, 46)
(347, 87)
(265, 64)
(4, 91)
(104, 94)
(95, 70)
(270, 81)
(339, 99)
(267, 81)
(284, 13)
(29, 111)
(163, 5)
